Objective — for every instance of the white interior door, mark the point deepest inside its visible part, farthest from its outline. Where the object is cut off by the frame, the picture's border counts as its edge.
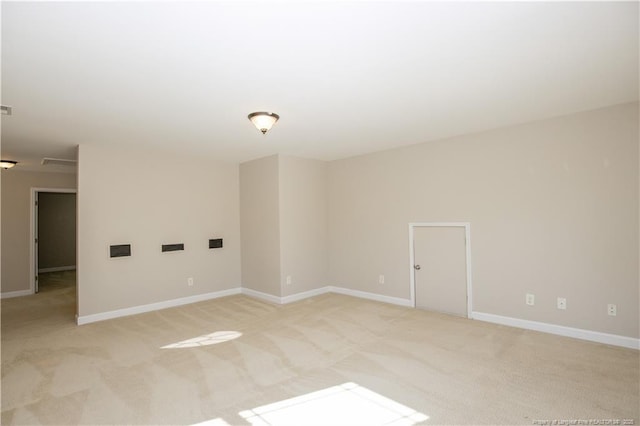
(440, 272)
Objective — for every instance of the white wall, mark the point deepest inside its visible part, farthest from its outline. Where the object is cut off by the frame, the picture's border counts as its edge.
(260, 223)
(303, 224)
(16, 208)
(284, 224)
(147, 199)
(553, 207)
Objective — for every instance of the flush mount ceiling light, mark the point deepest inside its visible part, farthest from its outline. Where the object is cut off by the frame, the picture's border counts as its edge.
(263, 120)
(7, 164)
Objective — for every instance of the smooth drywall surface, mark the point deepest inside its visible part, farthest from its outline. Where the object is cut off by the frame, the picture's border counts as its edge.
(16, 226)
(260, 223)
(553, 207)
(303, 224)
(147, 199)
(56, 230)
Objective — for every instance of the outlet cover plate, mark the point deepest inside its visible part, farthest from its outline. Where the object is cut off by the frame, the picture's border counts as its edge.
(530, 299)
(562, 303)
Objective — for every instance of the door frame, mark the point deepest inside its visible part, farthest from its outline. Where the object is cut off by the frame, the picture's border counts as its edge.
(33, 255)
(467, 237)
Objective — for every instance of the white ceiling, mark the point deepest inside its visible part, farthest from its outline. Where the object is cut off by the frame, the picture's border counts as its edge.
(347, 78)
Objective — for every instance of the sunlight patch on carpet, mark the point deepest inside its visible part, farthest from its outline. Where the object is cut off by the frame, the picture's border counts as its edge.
(212, 422)
(205, 340)
(348, 403)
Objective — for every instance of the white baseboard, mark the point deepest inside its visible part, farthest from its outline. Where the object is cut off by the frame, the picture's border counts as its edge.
(594, 336)
(58, 269)
(86, 319)
(371, 296)
(322, 290)
(18, 293)
(578, 333)
(260, 295)
(285, 299)
(304, 295)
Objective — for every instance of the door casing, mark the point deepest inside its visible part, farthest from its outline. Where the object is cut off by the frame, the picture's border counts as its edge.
(412, 271)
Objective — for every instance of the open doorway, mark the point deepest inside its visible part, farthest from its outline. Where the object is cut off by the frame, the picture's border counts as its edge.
(53, 242)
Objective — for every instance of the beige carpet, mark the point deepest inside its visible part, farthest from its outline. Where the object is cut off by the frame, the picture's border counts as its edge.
(327, 360)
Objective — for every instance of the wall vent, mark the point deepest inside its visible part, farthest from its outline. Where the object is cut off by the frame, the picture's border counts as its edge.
(57, 162)
(215, 243)
(121, 250)
(173, 247)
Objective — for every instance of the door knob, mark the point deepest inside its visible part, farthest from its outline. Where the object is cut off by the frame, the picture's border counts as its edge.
(416, 267)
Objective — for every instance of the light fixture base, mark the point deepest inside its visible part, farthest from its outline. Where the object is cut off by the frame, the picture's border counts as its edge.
(263, 120)
(7, 164)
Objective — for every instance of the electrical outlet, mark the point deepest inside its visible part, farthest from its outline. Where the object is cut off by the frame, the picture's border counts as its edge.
(612, 309)
(381, 279)
(190, 281)
(289, 280)
(530, 299)
(562, 303)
